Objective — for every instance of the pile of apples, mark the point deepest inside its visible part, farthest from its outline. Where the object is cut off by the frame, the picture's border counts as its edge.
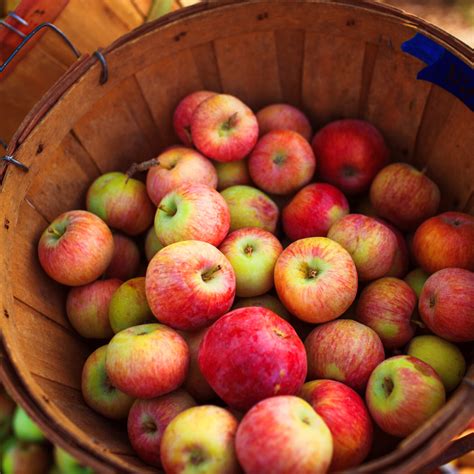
(249, 257)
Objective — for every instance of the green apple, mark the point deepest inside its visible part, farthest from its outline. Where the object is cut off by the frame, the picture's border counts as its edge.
(24, 428)
(252, 252)
(25, 458)
(416, 279)
(152, 244)
(67, 464)
(445, 358)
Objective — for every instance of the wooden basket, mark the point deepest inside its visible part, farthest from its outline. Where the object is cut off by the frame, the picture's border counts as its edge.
(333, 59)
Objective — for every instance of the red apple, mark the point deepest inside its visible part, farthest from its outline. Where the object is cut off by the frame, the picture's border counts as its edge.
(401, 259)
(282, 162)
(404, 195)
(224, 128)
(147, 361)
(125, 259)
(446, 304)
(313, 211)
(251, 354)
(445, 241)
(346, 416)
(403, 392)
(192, 212)
(283, 117)
(87, 308)
(232, 173)
(283, 435)
(189, 285)
(343, 350)
(350, 153)
(176, 167)
(371, 244)
(387, 306)
(184, 112)
(148, 419)
(76, 248)
(316, 279)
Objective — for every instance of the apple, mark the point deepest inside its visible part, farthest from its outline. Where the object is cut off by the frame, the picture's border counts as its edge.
(445, 241)
(446, 304)
(281, 435)
(313, 210)
(184, 112)
(343, 350)
(76, 248)
(282, 162)
(404, 195)
(283, 117)
(401, 259)
(148, 420)
(121, 201)
(25, 429)
(189, 285)
(87, 308)
(7, 408)
(251, 354)
(265, 301)
(152, 244)
(316, 279)
(25, 458)
(250, 207)
(224, 128)
(403, 392)
(252, 252)
(125, 259)
(68, 464)
(443, 356)
(147, 361)
(232, 173)
(387, 305)
(192, 212)
(416, 279)
(176, 167)
(128, 306)
(350, 153)
(346, 416)
(371, 244)
(200, 440)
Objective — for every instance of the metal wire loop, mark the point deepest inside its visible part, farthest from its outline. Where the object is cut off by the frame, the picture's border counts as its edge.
(104, 76)
(11, 160)
(19, 19)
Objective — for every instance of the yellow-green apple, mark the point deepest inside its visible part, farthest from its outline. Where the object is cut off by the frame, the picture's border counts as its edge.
(224, 128)
(401, 259)
(283, 117)
(125, 260)
(250, 207)
(25, 429)
(350, 153)
(281, 435)
(152, 244)
(76, 248)
(445, 241)
(387, 305)
(148, 420)
(184, 112)
(404, 196)
(176, 167)
(371, 244)
(316, 279)
(121, 201)
(67, 464)
(346, 416)
(232, 173)
(147, 361)
(416, 279)
(87, 308)
(25, 458)
(403, 392)
(200, 440)
(189, 285)
(128, 306)
(446, 304)
(252, 252)
(251, 354)
(98, 391)
(343, 350)
(195, 382)
(192, 212)
(7, 408)
(445, 358)
(313, 210)
(282, 162)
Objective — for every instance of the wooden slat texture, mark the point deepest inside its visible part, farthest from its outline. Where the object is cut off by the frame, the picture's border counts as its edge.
(206, 63)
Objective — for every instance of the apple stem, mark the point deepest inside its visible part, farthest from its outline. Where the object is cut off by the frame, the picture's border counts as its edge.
(166, 210)
(418, 323)
(144, 166)
(210, 273)
(53, 231)
(231, 121)
(424, 170)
